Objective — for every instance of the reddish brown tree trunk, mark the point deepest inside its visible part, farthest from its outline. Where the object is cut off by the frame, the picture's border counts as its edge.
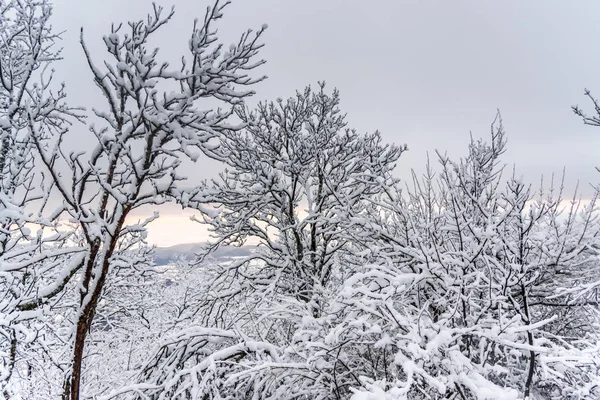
(72, 385)
(84, 323)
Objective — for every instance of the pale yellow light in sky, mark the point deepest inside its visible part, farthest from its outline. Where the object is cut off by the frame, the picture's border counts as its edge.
(173, 227)
(172, 230)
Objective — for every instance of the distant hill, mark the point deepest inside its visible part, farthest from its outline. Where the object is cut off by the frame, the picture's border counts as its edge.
(168, 255)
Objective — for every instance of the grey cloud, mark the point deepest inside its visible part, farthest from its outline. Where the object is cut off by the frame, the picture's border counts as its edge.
(424, 73)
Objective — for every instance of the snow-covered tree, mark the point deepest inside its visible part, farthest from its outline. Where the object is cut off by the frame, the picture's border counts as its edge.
(153, 119)
(587, 287)
(455, 291)
(295, 174)
(37, 255)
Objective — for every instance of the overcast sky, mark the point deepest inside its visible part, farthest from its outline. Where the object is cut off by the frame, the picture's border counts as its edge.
(425, 73)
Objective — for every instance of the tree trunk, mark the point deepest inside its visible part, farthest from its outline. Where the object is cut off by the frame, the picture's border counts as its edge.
(72, 385)
(532, 360)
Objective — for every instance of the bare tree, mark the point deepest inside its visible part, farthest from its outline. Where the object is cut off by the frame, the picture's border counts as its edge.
(37, 255)
(295, 174)
(152, 121)
(459, 281)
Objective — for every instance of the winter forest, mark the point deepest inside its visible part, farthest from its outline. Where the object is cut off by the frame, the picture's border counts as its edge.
(461, 283)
